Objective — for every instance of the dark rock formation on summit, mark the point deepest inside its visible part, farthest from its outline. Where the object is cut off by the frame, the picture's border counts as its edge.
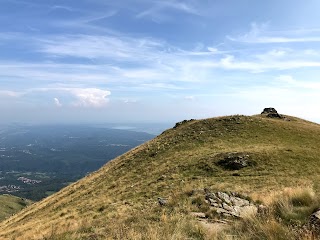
(271, 113)
(183, 122)
(269, 110)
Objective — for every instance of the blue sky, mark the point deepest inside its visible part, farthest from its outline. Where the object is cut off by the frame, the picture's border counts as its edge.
(157, 61)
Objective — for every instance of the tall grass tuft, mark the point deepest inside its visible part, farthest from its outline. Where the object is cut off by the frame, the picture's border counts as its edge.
(295, 205)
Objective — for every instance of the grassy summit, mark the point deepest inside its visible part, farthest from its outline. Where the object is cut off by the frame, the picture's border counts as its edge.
(119, 201)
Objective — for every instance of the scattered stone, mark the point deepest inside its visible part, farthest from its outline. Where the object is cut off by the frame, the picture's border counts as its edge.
(235, 161)
(262, 209)
(162, 202)
(161, 178)
(198, 215)
(314, 222)
(231, 204)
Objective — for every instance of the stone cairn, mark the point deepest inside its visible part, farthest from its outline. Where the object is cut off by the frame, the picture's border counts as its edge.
(271, 113)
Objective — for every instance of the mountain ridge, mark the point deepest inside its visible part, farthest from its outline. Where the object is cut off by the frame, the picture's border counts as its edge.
(124, 192)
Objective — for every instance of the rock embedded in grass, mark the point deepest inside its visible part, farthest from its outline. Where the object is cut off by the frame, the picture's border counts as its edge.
(162, 201)
(231, 204)
(235, 161)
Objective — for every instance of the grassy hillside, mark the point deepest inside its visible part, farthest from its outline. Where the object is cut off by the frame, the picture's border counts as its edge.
(119, 201)
(10, 205)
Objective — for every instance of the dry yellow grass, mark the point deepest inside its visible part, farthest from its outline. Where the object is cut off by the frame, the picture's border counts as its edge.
(119, 201)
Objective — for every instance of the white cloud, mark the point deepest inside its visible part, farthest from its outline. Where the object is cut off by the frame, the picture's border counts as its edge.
(77, 97)
(57, 102)
(213, 50)
(90, 97)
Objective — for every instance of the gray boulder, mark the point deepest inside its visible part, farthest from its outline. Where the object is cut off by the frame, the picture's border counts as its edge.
(231, 204)
(162, 202)
(235, 161)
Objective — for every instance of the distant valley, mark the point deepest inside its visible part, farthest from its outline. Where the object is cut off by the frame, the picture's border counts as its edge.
(36, 161)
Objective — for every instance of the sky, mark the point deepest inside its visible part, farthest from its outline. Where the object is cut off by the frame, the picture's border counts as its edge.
(157, 60)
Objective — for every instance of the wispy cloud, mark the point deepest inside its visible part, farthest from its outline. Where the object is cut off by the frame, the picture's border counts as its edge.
(89, 46)
(156, 85)
(260, 34)
(158, 10)
(161, 57)
(61, 7)
(105, 15)
(259, 64)
(120, 60)
(8, 93)
(185, 6)
(290, 82)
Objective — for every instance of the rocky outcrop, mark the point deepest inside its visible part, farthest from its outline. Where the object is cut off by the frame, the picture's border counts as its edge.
(235, 161)
(231, 204)
(271, 113)
(274, 115)
(269, 110)
(182, 122)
